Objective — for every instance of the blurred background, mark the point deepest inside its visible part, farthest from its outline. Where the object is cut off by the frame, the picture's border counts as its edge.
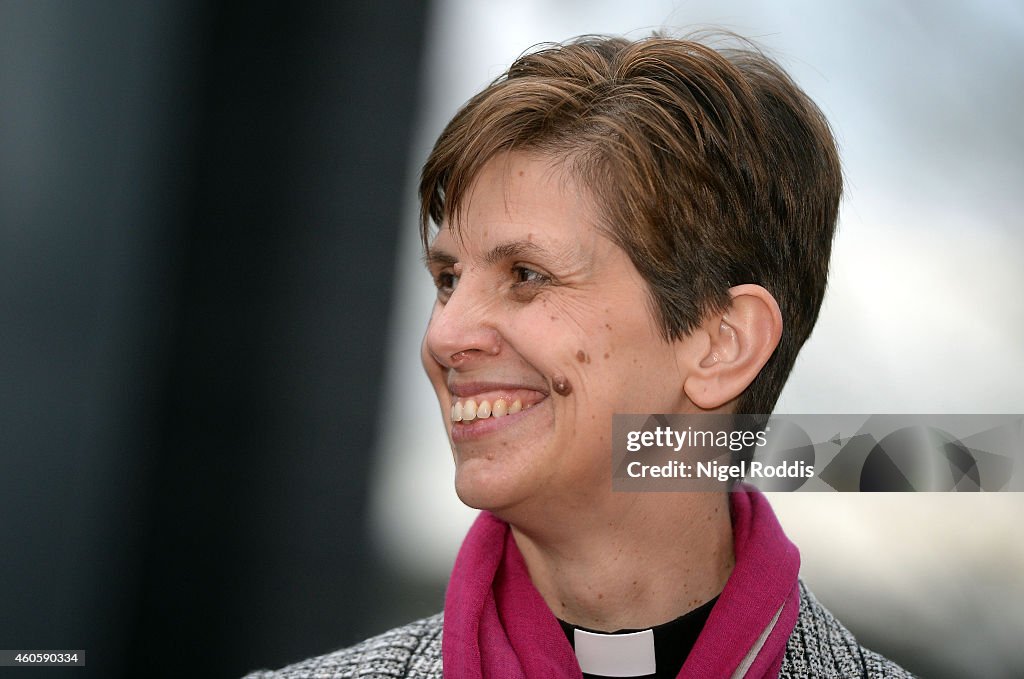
(217, 450)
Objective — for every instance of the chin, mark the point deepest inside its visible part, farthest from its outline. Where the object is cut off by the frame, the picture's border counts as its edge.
(486, 489)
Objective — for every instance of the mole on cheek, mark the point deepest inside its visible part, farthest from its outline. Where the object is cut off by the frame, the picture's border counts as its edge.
(562, 386)
(582, 357)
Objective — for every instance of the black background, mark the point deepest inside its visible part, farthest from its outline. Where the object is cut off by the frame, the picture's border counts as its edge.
(198, 206)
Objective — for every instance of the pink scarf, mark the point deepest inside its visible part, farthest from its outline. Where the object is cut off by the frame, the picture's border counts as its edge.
(496, 625)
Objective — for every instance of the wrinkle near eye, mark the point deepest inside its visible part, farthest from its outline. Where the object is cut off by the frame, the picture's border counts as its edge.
(525, 292)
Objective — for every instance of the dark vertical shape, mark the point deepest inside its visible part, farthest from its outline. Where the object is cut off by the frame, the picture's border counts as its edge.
(94, 122)
(256, 545)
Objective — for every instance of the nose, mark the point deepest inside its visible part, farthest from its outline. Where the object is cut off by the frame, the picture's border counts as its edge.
(464, 329)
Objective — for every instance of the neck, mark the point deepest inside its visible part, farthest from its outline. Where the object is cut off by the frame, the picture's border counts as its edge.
(647, 559)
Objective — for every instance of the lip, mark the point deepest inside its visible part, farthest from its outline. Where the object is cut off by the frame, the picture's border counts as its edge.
(468, 389)
(462, 431)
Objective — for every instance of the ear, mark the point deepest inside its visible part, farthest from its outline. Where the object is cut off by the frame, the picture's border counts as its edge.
(740, 341)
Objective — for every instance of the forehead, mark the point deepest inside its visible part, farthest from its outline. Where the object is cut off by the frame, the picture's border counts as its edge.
(523, 196)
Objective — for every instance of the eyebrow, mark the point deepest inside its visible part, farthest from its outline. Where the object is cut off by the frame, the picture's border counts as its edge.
(432, 258)
(512, 249)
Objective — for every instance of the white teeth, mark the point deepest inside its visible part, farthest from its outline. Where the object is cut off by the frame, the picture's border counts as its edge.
(457, 412)
(483, 410)
(500, 408)
(469, 411)
(516, 406)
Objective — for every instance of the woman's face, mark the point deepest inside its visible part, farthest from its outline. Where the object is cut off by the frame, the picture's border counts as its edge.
(542, 330)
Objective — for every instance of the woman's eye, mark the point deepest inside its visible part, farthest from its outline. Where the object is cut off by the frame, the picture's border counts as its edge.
(527, 276)
(527, 283)
(446, 282)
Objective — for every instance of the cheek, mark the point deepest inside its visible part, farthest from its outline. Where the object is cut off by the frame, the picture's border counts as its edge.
(553, 342)
(621, 358)
(538, 332)
(583, 350)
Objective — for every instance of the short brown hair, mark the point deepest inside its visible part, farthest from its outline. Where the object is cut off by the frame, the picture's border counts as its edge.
(711, 168)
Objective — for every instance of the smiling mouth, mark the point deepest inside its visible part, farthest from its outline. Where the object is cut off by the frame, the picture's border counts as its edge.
(470, 407)
(479, 408)
(480, 416)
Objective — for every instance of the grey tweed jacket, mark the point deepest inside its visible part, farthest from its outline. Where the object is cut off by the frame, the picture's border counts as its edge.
(819, 647)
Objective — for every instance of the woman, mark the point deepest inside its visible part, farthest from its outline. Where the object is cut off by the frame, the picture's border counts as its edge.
(622, 227)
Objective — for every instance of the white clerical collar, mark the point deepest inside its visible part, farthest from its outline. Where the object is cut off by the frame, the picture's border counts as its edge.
(615, 655)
